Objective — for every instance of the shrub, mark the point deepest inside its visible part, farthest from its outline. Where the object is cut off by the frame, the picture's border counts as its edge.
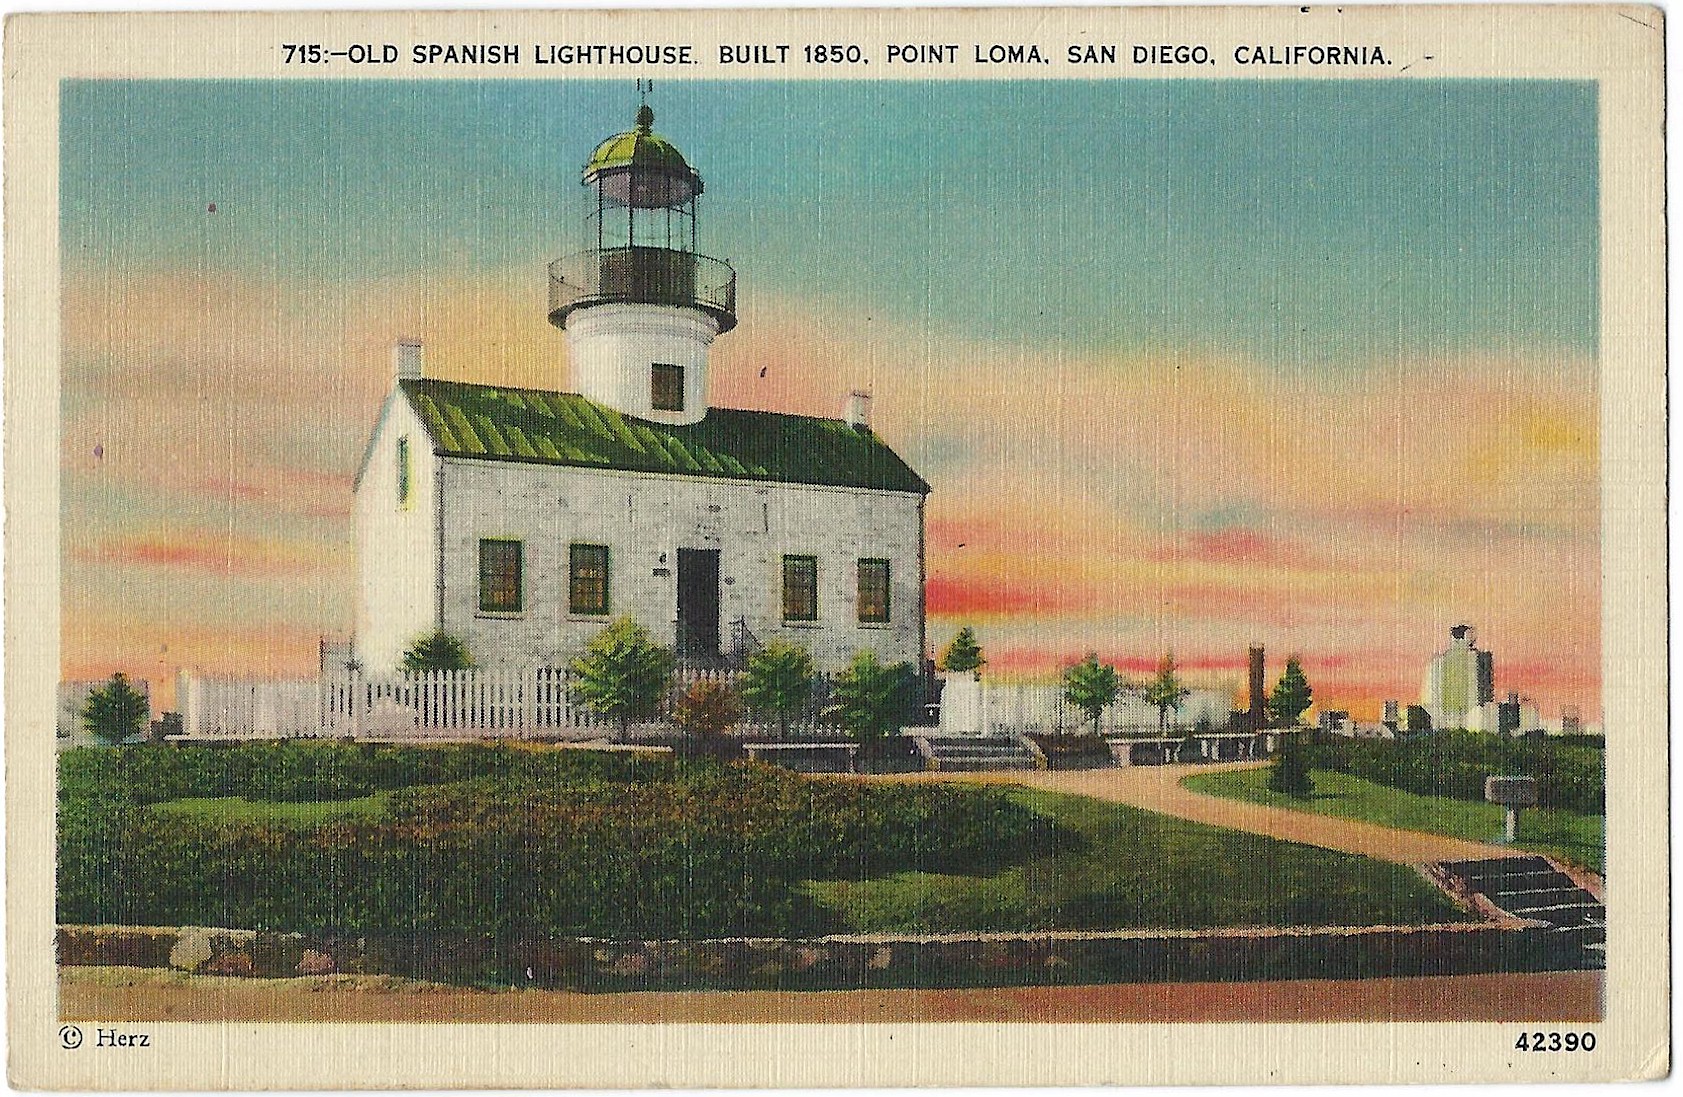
(1455, 764)
(623, 674)
(874, 701)
(1289, 772)
(778, 683)
(553, 842)
(705, 712)
(437, 651)
(116, 712)
(1090, 686)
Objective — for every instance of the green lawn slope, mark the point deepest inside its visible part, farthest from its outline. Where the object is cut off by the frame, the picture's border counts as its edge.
(1118, 867)
(1568, 835)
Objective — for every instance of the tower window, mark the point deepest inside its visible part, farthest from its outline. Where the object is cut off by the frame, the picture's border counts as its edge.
(587, 580)
(873, 592)
(499, 577)
(403, 472)
(666, 387)
(800, 588)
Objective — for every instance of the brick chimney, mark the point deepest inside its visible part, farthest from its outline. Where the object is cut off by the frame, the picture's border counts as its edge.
(408, 359)
(856, 409)
(1259, 687)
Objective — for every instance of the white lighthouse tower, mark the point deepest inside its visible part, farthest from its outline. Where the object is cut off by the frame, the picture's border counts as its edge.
(641, 308)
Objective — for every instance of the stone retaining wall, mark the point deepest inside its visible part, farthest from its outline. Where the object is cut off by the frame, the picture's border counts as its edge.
(838, 962)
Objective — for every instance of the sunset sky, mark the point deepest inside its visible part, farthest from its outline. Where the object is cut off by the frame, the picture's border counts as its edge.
(1189, 364)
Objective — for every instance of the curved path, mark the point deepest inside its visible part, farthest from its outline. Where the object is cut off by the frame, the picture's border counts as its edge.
(1158, 788)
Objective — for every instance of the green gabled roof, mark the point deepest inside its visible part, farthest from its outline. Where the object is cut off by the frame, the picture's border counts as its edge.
(564, 428)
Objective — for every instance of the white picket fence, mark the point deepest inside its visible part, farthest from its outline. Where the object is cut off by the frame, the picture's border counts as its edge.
(491, 702)
(979, 707)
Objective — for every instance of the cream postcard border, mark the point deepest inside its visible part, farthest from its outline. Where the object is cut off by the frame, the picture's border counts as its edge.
(1620, 47)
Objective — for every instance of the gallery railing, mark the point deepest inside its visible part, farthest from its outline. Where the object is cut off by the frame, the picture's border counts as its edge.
(642, 275)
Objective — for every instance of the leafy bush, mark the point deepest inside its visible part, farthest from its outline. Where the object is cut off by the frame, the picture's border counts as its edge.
(116, 711)
(1455, 764)
(1289, 772)
(437, 651)
(623, 674)
(498, 841)
(875, 701)
(778, 683)
(705, 712)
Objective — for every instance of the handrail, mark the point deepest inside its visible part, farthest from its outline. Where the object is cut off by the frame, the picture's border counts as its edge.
(642, 275)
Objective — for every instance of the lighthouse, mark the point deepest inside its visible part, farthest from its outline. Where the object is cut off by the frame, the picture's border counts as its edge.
(523, 521)
(642, 306)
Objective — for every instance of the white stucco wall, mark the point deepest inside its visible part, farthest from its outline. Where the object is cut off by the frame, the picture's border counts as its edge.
(612, 348)
(396, 544)
(643, 517)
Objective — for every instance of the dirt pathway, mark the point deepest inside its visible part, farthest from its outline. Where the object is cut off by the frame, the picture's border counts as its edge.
(130, 994)
(1158, 788)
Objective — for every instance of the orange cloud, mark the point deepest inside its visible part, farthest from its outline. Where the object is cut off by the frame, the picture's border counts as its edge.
(1130, 502)
(204, 551)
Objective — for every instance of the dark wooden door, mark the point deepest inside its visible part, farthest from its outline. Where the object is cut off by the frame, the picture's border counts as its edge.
(698, 603)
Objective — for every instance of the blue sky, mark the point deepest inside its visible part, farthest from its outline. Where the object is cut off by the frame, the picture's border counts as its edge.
(1299, 222)
(1190, 364)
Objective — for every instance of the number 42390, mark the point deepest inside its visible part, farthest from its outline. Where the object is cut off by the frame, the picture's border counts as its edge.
(1556, 1041)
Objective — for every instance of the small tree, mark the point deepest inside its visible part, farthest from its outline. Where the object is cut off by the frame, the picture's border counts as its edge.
(964, 653)
(623, 674)
(705, 712)
(1290, 772)
(778, 683)
(1291, 696)
(438, 650)
(116, 711)
(874, 701)
(1166, 692)
(1091, 686)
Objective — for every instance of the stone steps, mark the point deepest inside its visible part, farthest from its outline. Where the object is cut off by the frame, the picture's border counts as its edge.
(969, 754)
(1531, 887)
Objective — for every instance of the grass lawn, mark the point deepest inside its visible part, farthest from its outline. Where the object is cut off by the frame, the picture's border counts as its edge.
(1568, 835)
(1110, 866)
(303, 813)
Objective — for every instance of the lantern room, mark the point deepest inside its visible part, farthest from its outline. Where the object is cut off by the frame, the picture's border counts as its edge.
(641, 218)
(641, 304)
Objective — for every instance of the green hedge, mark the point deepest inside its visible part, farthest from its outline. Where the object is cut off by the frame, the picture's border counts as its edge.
(527, 842)
(321, 770)
(1455, 764)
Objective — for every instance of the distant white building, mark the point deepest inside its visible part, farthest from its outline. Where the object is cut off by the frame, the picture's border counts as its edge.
(1459, 691)
(523, 520)
(1459, 681)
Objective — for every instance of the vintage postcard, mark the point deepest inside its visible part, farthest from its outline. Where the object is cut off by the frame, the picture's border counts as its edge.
(835, 548)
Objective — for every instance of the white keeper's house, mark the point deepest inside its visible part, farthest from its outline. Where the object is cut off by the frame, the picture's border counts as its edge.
(522, 520)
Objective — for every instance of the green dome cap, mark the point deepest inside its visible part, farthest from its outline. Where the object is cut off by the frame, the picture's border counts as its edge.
(639, 147)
